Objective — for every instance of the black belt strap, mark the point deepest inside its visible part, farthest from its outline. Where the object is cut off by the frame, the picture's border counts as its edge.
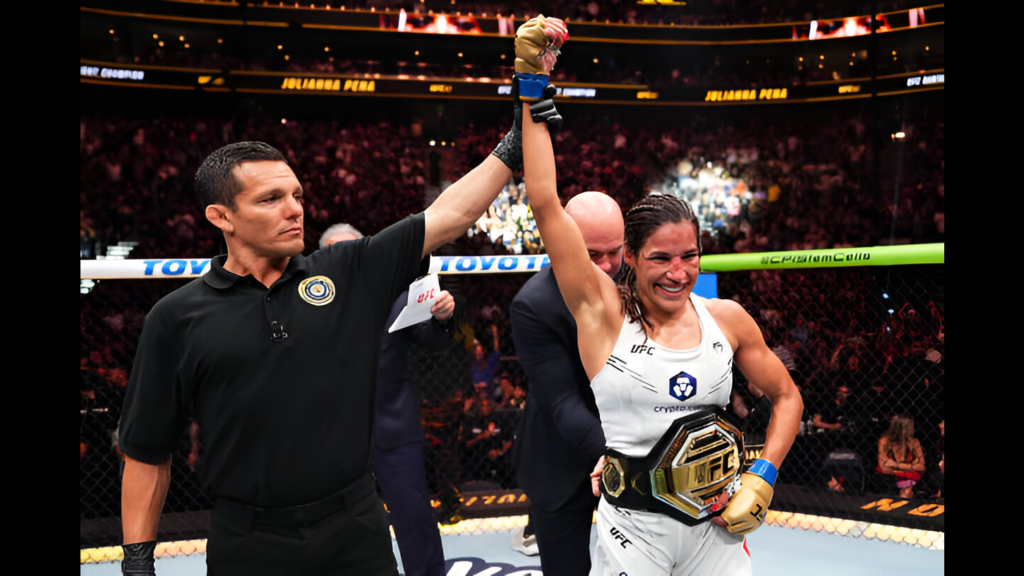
(303, 514)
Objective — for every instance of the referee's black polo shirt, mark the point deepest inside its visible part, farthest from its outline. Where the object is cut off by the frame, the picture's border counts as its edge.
(283, 421)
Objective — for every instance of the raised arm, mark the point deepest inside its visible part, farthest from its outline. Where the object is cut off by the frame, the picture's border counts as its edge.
(462, 203)
(583, 285)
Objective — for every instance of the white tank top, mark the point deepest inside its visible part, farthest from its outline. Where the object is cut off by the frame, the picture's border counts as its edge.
(644, 387)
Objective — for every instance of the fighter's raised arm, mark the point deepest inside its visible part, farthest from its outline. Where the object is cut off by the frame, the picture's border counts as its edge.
(462, 203)
(588, 292)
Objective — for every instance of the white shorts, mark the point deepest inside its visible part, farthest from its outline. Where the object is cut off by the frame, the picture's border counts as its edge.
(636, 543)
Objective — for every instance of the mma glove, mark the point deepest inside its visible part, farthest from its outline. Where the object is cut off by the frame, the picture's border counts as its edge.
(538, 44)
(138, 559)
(748, 507)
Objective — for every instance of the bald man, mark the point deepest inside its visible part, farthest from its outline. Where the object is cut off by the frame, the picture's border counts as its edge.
(560, 435)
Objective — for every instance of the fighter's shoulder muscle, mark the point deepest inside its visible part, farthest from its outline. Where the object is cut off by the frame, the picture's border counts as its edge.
(732, 318)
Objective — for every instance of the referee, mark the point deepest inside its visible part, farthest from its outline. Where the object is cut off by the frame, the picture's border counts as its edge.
(275, 355)
(397, 459)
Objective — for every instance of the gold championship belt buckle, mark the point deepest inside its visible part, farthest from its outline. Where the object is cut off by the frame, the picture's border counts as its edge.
(696, 459)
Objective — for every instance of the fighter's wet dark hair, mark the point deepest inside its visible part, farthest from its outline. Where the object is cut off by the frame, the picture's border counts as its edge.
(641, 221)
(215, 179)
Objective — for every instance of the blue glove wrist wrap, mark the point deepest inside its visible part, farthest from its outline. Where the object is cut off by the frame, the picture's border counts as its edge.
(532, 85)
(766, 470)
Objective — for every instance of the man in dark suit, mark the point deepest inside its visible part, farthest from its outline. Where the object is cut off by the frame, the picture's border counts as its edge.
(559, 437)
(398, 461)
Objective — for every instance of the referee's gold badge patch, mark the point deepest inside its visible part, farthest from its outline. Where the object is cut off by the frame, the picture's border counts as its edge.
(317, 290)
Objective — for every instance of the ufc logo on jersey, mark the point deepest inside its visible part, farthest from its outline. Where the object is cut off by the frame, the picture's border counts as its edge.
(620, 536)
(640, 348)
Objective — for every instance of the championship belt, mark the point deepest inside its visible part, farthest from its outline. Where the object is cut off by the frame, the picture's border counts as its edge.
(698, 457)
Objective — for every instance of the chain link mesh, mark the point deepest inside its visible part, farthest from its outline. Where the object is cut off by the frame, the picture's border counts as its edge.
(873, 334)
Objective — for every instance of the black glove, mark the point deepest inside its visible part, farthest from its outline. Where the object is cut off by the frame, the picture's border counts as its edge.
(138, 559)
(510, 149)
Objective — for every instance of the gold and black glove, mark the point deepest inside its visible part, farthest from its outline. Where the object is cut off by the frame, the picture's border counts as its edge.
(748, 507)
(538, 44)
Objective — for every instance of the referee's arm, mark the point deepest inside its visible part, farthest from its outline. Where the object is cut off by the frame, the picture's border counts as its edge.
(462, 204)
(154, 414)
(143, 490)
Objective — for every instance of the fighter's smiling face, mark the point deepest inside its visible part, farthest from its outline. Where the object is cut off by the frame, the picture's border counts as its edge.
(666, 266)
